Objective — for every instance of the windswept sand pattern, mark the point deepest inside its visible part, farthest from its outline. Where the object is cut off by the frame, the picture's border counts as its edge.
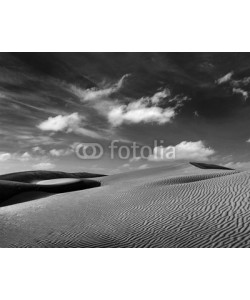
(205, 210)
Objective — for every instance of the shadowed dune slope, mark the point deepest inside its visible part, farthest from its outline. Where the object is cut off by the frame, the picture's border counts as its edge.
(8, 189)
(158, 207)
(25, 182)
(209, 166)
(34, 176)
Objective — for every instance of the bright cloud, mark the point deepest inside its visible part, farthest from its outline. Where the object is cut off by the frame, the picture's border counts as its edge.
(144, 110)
(134, 113)
(242, 92)
(182, 151)
(61, 123)
(60, 152)
(225, 78)
(68, 123)
(5, 156)
(159, 96)
(193, 150)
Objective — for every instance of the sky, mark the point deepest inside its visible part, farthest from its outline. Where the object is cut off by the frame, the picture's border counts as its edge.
(194, 105)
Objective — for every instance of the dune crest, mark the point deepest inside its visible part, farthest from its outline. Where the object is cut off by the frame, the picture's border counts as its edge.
(209, 166)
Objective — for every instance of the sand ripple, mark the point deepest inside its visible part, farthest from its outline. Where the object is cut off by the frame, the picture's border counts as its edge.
(204, 210)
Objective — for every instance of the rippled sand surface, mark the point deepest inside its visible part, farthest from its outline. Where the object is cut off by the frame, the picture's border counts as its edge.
(161, 207)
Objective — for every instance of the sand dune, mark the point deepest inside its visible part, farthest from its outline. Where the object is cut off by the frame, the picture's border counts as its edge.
(34, 176)
(42, 182)
(209, 166)
(158, 207)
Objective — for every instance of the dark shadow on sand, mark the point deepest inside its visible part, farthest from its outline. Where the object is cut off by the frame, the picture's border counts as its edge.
(17, 191)
(209, 166)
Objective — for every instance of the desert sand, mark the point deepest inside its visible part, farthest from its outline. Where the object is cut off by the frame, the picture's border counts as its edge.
(176, 206)
(40, 183)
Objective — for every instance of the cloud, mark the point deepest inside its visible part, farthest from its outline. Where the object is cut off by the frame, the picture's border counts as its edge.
(236, 84)
(238, 165)
(137, 113)
(241, 82)
(142, 167)
(61, 123)
(182, 151)
(38, 150)
(25, 156)
(43, 166)
(133, 159)
(125, 166)
(98, 94)
(27, 160)
(145, 110)
(60, 152)
(193, 150)
(225, 78)
(68, 123)
(242, 92)
(159, 96)
(5, 156)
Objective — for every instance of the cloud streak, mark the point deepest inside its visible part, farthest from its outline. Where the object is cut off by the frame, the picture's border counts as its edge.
(94, 94)
(225, 78)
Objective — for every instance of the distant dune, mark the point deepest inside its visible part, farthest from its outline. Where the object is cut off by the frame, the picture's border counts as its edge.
(209, 166)
(28, 182)
(33, 176)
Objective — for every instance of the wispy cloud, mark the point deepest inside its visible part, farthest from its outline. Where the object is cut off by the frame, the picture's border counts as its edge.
(238, 165)
(241, 92)
(241, 82)
(38, 149)
(236, 84)
(98, 93)
(143, 167)
(225, 78)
